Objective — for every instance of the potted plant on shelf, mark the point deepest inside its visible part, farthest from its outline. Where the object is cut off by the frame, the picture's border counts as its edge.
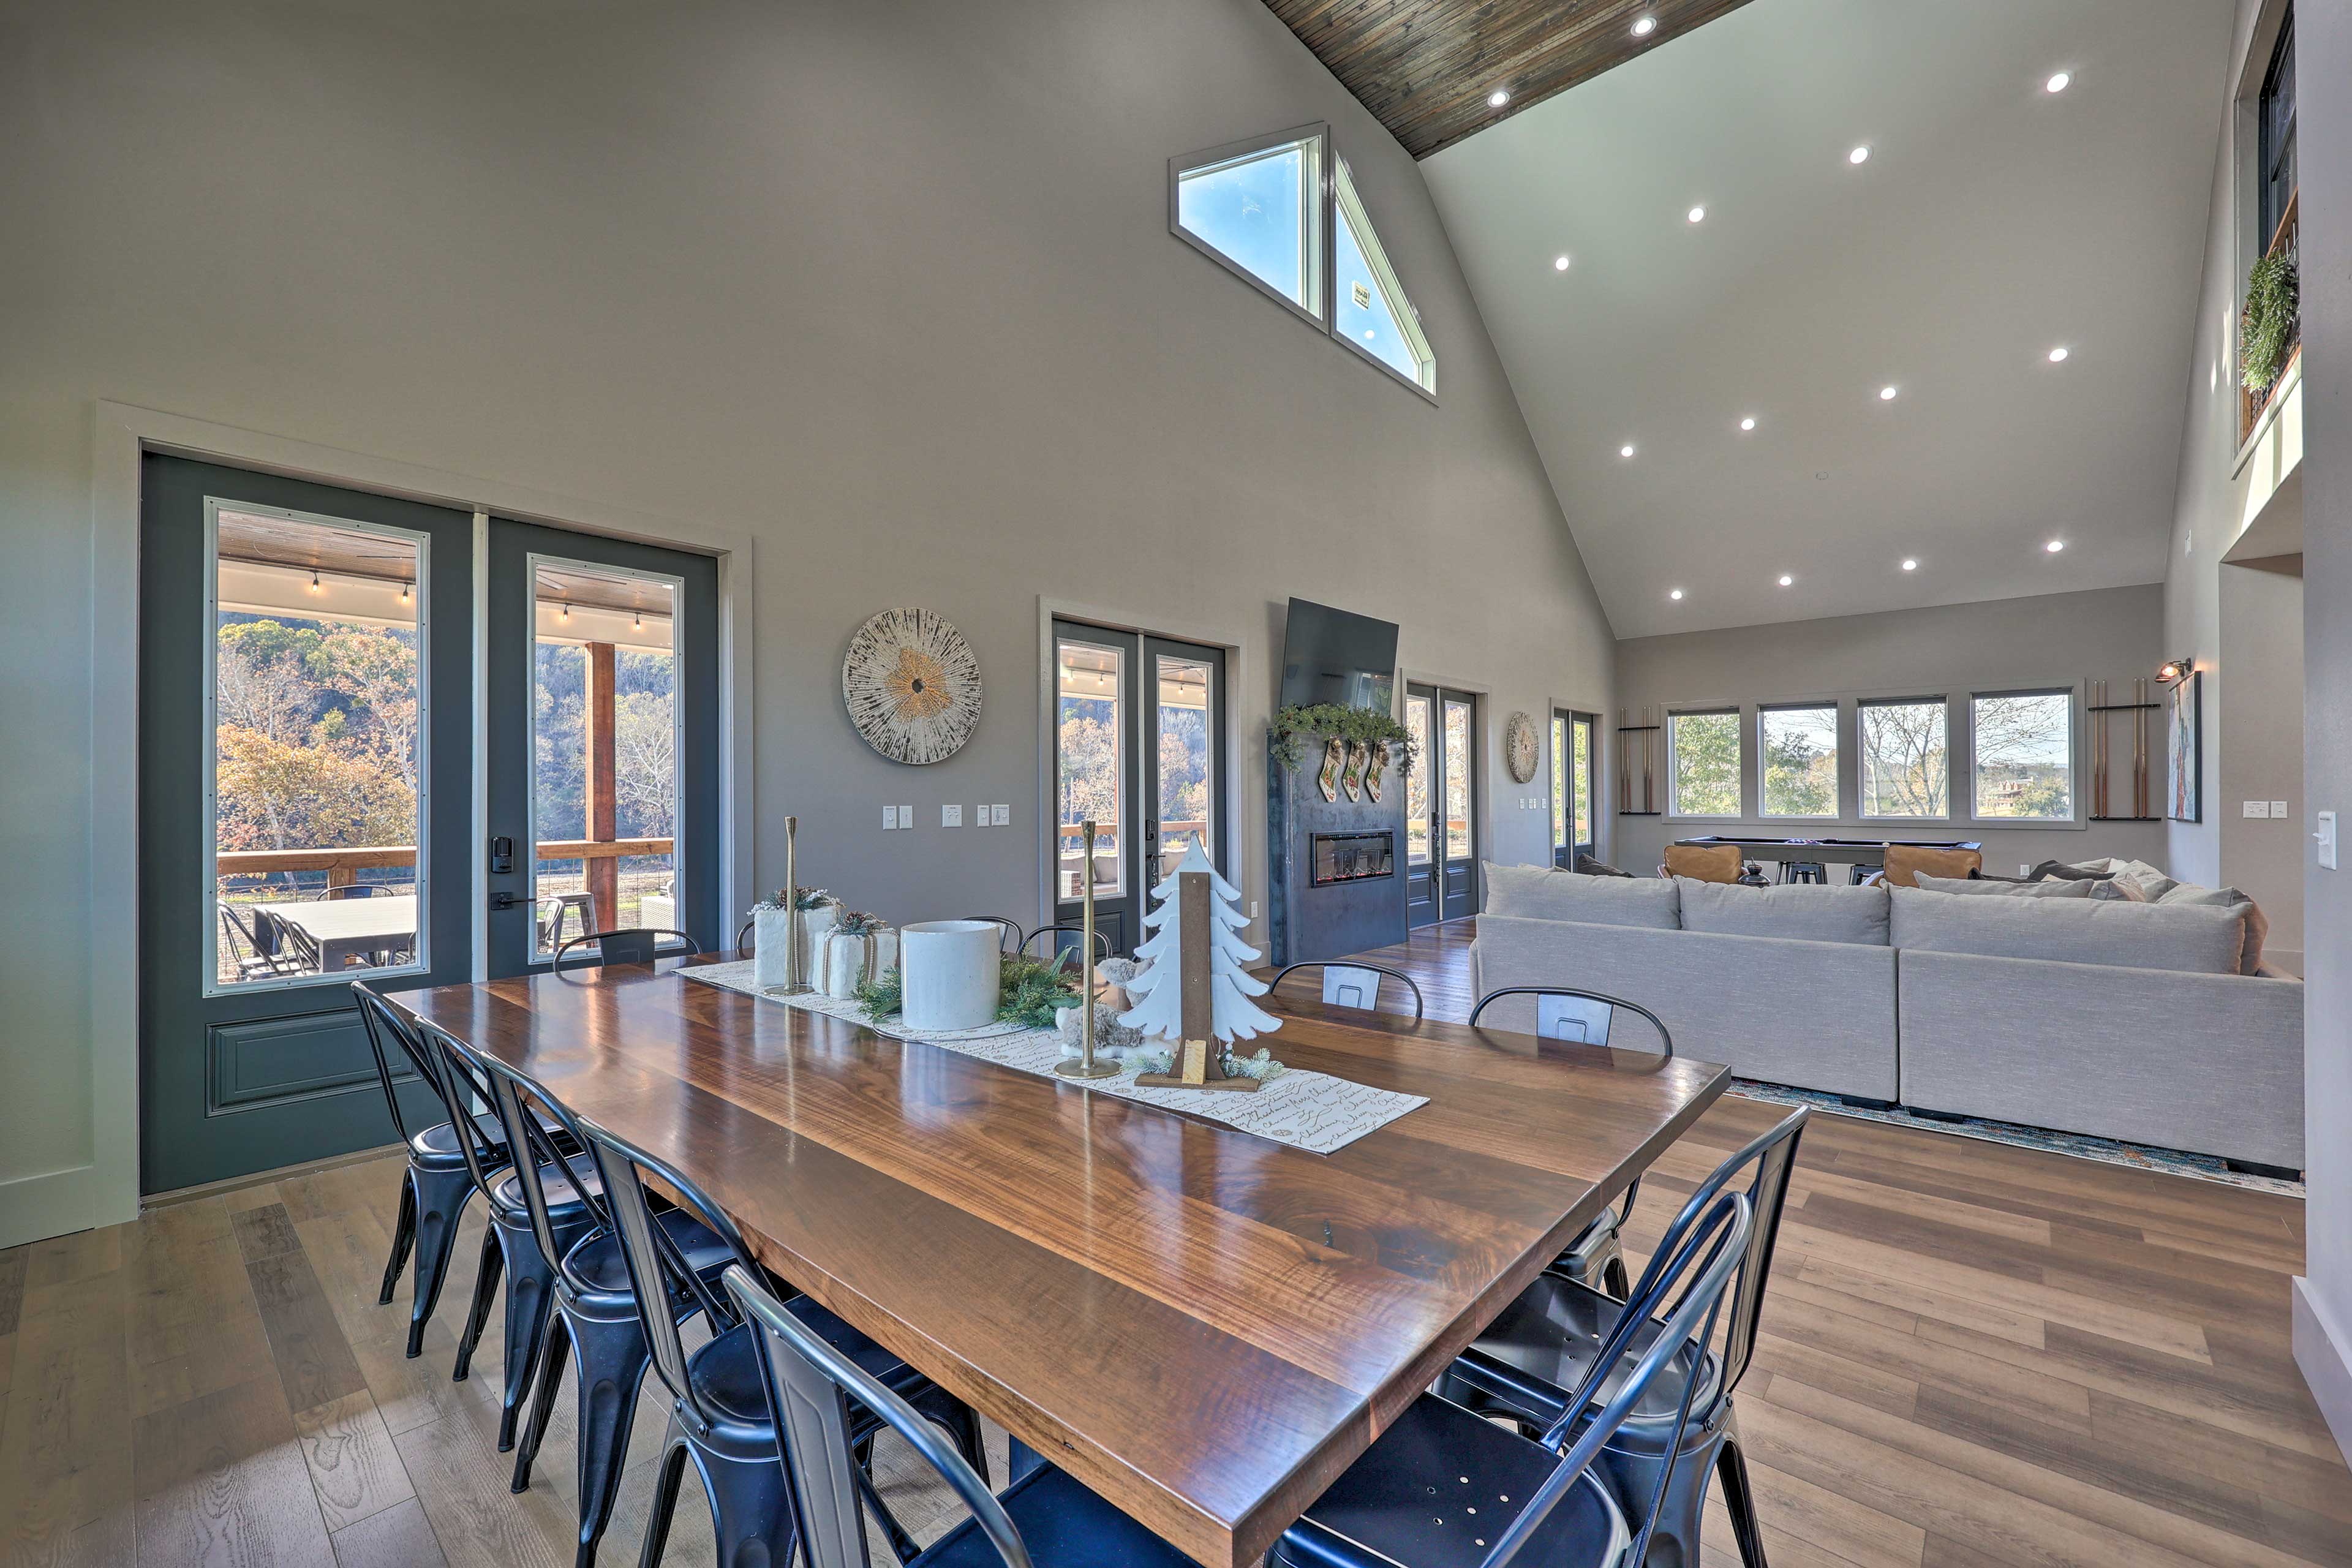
(2267, 330)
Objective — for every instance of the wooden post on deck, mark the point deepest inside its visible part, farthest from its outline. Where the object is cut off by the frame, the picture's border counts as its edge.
(605, 871)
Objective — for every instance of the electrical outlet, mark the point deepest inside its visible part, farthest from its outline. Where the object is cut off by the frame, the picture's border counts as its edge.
(1001, 815)
(1252, 906)
(2025, 870)
(951, 816)
(889, 818)
(2278, 809)
(2255, 807)
(2326, 838)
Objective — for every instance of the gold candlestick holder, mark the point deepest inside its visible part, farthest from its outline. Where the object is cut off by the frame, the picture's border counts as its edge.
(796, 949)
(1085, 1064)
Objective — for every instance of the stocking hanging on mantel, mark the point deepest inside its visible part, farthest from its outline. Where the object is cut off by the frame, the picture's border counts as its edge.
(1159, 991)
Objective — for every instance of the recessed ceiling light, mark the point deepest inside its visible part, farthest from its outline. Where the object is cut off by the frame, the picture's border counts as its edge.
(1749, 423)
(1560, 264)
(1859, 155)
(2058, 355)
(1697, 214)
(1626, 450)
(2058, 83)
(1645, 26)
(1674, 592)
(2054, 546)
(1786, 580)
(1910, 565)
(1496, 98)
(1885, 395)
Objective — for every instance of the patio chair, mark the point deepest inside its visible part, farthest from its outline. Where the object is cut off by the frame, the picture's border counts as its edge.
(254, 961)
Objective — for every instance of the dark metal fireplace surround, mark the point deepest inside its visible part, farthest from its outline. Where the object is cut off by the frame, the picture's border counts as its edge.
(1336, 878)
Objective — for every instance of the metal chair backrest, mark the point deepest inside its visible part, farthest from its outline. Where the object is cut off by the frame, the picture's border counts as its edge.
(279, 937)
(1102, 942)
(243, 947)
(635, 944)
(383, 1024)
(1773, 1154)
(350, 890)
(519, 1100)
(1583, 1017)
(657, 1271)
(743, 948)
(1012, 939)
(1696, 1269)
(810, 1387)
(261, 929)
(1354, 984)
(462, 1085)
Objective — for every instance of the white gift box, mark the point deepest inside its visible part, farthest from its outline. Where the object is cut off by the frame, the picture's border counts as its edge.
(772, 927)
(847, 959)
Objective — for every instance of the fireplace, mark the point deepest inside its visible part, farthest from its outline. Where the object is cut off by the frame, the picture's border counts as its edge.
(1352, 857)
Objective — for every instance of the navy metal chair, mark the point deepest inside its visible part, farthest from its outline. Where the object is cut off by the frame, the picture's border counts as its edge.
(1355, 985)
(1012, 938)
(1597, 1256)
(743, 948)
(511, 1246)
(436, 1184)
(632, 944)
(1558, 1331)
(1443, 1486)
(816, 1396)
(719, 1411)
(1061, 948)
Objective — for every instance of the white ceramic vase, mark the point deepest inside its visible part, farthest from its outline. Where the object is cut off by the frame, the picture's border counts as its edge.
(951, 973)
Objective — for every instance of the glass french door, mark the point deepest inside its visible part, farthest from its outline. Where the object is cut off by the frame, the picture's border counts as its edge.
(307, 691)
(1572, 775)
(1138, 742)
(1441, 827)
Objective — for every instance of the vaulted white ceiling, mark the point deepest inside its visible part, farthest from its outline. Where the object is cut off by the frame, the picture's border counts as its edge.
(1993, 221)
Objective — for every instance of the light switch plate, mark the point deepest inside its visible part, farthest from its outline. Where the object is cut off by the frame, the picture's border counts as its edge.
(1001, 815)
(906, 816)
(951, 816)
(2278, 809)
(890, 817)
(2255, 807)
(2326, 840)
(980, 815)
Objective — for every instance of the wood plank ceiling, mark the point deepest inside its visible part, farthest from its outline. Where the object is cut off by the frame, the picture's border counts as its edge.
(1425, 67)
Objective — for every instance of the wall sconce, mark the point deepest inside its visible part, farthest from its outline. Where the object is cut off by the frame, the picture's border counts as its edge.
(2173, 671)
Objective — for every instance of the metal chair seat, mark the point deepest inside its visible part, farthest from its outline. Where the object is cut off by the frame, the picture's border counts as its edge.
(1548, 1340)
(1064, 1525)
(564, 1204)
(1435, 1490)
(595, 1275)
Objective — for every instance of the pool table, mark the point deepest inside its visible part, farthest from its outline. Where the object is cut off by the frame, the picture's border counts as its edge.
(1844, 851)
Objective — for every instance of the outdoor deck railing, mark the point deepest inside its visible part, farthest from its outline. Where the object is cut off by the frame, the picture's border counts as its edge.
(343, 865)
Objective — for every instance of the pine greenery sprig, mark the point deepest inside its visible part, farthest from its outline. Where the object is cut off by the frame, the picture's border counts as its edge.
(882, 994)
(1291, 727)
(2273, 297)
(1033, 992)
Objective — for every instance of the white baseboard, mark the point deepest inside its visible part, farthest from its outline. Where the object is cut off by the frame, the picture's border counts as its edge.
(59, 1203)
(2324, 1353)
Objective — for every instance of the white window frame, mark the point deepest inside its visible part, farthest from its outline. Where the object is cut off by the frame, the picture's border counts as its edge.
(210, 783)
(1335, 200)
(1837, 757)
(2073, 694)
(1731, 710)
(680, 891)
(1861, 782)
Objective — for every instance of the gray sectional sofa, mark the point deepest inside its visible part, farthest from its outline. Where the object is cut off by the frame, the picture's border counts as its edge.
(2122, 1020)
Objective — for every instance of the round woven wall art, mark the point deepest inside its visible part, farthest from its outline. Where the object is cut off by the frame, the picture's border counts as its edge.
(911, 685)
(1521, 751)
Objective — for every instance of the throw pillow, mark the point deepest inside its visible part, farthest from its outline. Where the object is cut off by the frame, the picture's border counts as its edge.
(1538, 892)
(2001, 887)
(1589, 866)
(1906, 861)
(2059, 869)
(1704, 862)
(2150, 883)
(2258, 924)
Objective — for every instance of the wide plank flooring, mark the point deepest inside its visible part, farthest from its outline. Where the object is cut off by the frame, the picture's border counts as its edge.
(1971, 1355)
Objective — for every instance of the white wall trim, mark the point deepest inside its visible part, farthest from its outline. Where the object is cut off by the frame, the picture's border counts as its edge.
(2322, 1350)
(106, 1190)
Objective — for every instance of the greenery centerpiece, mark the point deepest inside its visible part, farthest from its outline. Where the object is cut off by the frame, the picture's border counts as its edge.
(1286, 738)
(1030, 991)
(2266, 332)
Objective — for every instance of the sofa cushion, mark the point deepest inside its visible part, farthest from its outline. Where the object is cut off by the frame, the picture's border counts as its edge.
(1717, 863)
(2190, 939)
(1798, 911)
(1540, 893)
(2003, 887)
(2137, 876)
(1906, 861)
(2258, 924)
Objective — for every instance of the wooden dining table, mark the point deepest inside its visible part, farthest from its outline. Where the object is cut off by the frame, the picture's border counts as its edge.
(1204, 1326)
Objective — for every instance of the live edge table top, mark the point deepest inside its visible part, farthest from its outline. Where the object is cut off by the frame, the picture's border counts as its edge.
(1204, 1327)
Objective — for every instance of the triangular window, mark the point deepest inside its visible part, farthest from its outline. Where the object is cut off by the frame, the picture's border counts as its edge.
(1373, 315)
(1260, 211)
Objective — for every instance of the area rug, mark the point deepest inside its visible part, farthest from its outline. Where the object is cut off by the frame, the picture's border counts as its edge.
(2137, 1156)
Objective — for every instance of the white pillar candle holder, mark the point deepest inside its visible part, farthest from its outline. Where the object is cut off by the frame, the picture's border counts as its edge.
(950, 974)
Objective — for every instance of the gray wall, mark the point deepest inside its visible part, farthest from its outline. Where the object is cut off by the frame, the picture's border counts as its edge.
(2047, 640)
(2323, 108)
(2259, 735)
(887, 286)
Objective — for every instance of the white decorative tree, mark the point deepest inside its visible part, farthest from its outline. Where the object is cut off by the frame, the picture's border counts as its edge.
(1159, 991)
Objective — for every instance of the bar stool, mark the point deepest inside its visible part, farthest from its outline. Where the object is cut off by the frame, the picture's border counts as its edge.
(1805, 871)
(1863, 872)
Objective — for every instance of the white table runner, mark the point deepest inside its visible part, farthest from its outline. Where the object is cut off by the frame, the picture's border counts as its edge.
(1309, 1110)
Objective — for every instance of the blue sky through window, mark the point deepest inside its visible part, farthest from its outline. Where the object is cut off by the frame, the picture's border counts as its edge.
(1253, 211)
(1364, 317)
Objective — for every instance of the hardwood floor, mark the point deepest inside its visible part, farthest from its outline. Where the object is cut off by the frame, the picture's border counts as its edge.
(1971, 1355)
